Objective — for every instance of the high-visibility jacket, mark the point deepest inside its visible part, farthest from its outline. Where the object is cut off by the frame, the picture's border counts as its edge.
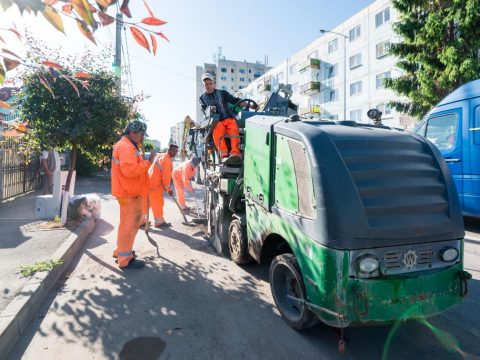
(160, 172)
(184, 172)
(129, 170)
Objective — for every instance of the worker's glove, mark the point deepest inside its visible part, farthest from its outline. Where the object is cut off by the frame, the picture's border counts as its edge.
(170, 192)
(213, 109)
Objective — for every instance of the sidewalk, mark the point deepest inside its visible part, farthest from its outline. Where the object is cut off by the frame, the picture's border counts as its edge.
(23, 242)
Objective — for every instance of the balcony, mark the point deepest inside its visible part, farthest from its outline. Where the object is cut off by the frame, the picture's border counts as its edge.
(309, 64)
(310, 110)
(310, 87)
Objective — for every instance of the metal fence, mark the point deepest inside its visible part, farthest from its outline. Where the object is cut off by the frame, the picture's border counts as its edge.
(19, 174)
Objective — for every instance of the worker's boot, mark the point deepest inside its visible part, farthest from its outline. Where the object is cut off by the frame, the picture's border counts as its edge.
(233, 160)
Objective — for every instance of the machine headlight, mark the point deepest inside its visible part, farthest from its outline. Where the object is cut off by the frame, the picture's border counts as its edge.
(368, 264)
(449, 254)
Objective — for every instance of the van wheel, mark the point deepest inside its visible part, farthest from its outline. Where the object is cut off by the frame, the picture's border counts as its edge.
(238, 243)
(286, 284)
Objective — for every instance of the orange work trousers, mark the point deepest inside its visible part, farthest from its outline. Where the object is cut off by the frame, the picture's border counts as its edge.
(156, 203)
(180, 189)
(130, 219)
(227, 127)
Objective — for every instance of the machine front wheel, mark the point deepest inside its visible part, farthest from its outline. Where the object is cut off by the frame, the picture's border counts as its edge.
(289, 294)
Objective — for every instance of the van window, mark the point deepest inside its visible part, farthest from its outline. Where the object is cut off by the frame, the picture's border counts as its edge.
(476, 126)
(442, 130)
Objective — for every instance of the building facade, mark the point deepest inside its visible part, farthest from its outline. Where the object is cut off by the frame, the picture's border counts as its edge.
(341, 74)
(230, 75)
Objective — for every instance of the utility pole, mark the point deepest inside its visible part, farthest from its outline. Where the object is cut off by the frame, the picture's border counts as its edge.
(117, 62)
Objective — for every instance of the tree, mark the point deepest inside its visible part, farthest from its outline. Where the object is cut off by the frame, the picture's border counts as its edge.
(88, 117)
(438, 51)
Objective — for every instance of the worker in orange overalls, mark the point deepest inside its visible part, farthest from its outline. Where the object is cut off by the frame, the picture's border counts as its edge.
(160, 174)
(129, 186)
(218, 101)
(181, 179)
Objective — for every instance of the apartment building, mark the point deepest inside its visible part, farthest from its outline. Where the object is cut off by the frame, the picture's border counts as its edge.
(230, 75)
(341, 74)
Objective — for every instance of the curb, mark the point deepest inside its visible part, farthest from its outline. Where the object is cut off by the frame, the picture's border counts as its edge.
(16, 317)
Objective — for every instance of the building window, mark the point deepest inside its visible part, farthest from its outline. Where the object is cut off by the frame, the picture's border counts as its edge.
(354, 33)
(356, 115)
(333, 46)
(232, 71)
(313, 55)
(249, 71)
(386, 109)
(355, 88)
(333, 95)
(223, 70)
(382, 17)
(233, 79)
(355, 61)
(380, 79)
(241, 87)
(382, 49)
(224, 88)
(331, 71)
(241, 71)
(293, 68)
(224, 78)
(242, 79)
(257, 73)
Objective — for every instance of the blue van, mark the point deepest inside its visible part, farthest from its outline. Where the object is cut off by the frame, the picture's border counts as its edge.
(454, 127)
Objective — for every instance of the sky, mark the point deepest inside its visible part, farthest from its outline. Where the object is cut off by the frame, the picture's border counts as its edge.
(246, 30)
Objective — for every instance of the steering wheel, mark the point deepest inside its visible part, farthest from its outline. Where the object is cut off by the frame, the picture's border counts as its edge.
(250, 104)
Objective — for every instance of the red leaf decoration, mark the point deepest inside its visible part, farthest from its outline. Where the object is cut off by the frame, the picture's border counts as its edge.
(154, 44)
(148, 9)
(124, 8)
(153, 21)
(52, 65)
(105, 19)
(82, 25)
(139, 37)
(162, 35)
(67, 8)
(83, 75)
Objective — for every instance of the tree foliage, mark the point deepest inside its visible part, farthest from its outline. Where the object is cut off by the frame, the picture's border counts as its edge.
(438, 51)
(88, 117)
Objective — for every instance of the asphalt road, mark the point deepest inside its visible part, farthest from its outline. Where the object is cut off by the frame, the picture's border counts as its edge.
(190, 303)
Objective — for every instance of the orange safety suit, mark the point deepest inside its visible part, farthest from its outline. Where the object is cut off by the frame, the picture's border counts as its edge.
(227, 127)
(181, 179)
(129, 186)
(160, 174)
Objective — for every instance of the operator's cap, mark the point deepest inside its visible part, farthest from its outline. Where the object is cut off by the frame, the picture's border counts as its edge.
(195, 161)
(136, 126)
(208, 76)
(172, 144)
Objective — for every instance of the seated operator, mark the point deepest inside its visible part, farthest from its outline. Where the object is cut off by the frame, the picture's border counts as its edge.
(218, 100)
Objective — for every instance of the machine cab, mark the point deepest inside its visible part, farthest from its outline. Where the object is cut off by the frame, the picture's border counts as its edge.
(453, 126)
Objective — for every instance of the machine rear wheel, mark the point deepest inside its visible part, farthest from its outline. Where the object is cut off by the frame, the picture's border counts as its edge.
(288, 290)
(238, 243)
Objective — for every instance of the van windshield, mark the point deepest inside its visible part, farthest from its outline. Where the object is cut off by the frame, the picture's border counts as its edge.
(442, 131)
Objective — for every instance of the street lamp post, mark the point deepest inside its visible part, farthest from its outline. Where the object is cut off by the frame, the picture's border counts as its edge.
(345, 37)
